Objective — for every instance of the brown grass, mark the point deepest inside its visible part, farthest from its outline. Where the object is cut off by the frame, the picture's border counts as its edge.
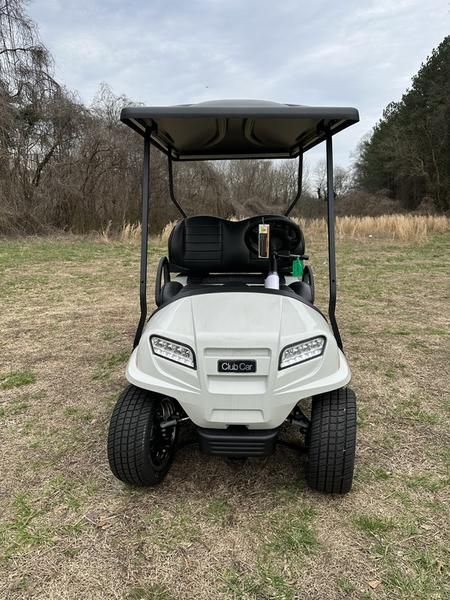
(69, 530)
(407, 228)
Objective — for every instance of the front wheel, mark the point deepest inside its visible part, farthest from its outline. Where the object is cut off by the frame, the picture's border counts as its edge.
(140, 451)
(331, 441)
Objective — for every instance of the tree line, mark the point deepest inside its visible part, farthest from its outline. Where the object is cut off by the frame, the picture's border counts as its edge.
(68, 166)
(408, 152)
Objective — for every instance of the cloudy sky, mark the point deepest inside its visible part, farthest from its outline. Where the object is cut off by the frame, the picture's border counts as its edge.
(358, 53)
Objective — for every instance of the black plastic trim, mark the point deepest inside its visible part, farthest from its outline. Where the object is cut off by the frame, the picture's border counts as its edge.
(280, 368)
(237, 441)
(162, 270)
(162, 337)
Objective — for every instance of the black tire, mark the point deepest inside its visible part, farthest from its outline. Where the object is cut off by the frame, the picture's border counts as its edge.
(139, 451)
(308, 277)
(331, 442)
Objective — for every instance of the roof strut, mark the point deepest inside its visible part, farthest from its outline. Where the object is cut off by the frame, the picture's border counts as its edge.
(331, 240)
(299, 185)
(171, 190)
(144, 236)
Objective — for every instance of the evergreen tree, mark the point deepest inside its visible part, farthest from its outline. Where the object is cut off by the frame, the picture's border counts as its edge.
(408, 153)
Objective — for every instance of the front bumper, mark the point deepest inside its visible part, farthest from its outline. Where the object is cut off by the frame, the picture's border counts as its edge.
(237, 441)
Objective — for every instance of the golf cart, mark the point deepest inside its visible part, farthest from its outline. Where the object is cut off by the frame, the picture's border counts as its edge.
(236, 341)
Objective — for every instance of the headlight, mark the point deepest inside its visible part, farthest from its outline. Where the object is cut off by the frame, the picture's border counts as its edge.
(179, 353)
(301, 352)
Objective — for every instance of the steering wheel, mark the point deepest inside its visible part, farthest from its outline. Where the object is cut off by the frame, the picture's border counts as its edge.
(285, 235)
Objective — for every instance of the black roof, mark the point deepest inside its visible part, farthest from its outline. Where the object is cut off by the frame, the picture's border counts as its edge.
(224, 129)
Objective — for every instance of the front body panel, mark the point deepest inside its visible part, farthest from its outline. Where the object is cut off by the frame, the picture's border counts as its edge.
(237, 339)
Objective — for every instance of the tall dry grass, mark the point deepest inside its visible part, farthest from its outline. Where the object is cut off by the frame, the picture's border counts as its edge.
(405, 228)
(130, 233)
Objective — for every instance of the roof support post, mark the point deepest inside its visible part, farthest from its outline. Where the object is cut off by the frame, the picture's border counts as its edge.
(331, 240)
(171, 187)
(299, 185)
(144, 236)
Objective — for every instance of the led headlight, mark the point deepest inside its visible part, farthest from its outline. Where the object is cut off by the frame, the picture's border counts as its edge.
(302, 351)
(174, 351)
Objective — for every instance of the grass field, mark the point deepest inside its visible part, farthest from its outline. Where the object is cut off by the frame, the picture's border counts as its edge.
(69, 530)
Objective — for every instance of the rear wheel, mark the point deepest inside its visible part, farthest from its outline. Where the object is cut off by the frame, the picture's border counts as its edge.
(140, 451)
(331, 441)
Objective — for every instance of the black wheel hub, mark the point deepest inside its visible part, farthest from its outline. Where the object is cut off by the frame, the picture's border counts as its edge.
(162, 440)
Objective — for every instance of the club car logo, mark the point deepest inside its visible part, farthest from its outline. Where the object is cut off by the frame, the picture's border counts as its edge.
(236, 366)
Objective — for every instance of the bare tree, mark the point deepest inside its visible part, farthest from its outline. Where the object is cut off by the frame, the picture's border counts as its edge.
(74, 167)
(25, 63)
(343, 181)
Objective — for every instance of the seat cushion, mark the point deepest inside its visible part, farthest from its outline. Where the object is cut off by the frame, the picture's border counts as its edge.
(204, 244)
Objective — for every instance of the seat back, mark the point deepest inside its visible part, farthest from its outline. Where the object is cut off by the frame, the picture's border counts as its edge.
(204, 244)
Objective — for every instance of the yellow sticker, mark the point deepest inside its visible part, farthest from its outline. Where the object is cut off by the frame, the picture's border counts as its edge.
(263, 240)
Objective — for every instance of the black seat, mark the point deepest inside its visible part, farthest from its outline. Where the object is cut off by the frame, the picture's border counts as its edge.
(213, 251)
(204, 244)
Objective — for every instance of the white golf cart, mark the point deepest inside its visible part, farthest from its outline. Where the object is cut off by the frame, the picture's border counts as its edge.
(236, 340)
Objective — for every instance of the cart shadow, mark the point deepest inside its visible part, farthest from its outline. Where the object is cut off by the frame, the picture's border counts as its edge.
(244, 479)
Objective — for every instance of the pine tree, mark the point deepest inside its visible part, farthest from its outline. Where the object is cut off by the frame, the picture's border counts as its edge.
(408, 153)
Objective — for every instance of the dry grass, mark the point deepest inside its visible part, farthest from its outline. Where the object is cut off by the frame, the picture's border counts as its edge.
(407, 228)
(130, 232)
(69, 530)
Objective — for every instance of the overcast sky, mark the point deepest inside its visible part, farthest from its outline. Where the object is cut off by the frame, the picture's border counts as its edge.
(358, 53)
